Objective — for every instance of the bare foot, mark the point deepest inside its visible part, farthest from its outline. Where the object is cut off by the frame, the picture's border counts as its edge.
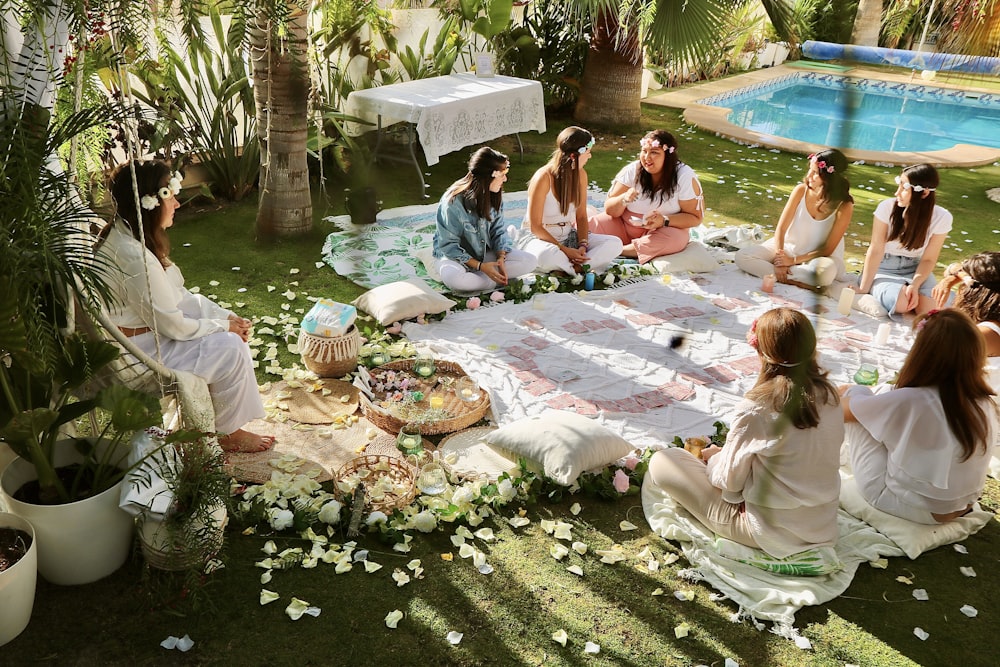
(245, 441)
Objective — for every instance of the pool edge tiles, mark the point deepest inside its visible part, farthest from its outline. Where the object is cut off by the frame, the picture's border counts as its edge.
(714, 119)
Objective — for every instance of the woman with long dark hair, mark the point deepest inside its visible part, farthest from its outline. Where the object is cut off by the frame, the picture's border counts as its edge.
(474, 253)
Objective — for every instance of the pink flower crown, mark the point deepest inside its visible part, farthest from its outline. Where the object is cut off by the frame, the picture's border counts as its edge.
(922, 323)
(654, 143)
(822, 164)
(752, 340)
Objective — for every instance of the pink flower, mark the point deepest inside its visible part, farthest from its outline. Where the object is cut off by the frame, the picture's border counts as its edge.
(620, 481)
(394, 328)
(473, 303)
(631, 462)
(497, 297)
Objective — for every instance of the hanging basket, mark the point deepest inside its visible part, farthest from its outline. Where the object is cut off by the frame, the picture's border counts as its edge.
(330, 357)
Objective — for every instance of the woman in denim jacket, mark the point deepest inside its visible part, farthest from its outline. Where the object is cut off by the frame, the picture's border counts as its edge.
(471, 245)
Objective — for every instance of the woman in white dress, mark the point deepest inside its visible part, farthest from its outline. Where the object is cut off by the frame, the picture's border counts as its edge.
(775, 485)
(808, 245)
(907, 236)
(920, 449)
(184, 331)
(556, 229)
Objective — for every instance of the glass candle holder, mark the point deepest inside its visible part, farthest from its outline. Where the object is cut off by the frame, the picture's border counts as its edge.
(378, 358)
(767, 283)
(867, 374)
(423, 365)
(436, 402)
(432, 479)
(410, 441)
(467, 389)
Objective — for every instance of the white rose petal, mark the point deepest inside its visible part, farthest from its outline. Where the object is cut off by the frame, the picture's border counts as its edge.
(270, 548)
(267, 597)
(731, 663)
(880, 563)
(967, 571)
(684, 596)
(184, 644)
(413, 565)
(393, 618)
(653, 565)
(265, 577)
(464, 532)
(627, 526)
(466, 550)
(558, 551)
(296, 608)
(920, 594)
(485, 534)
(658, 591)
(548, 525)
(681, 631)
(611, 556)
(372, 567)
(802, 642)
(454, 638)
(401, 578)
(969, 610)
(921, 634)
(519, 521)
(591, 647)
(960, 548)
(485, 568)
(563, 531)
(575, 569)
(575, 509)
(457, 540)
(560, 636)
(580, 548)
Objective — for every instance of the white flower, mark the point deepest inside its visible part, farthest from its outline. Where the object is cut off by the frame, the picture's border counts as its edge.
(175, 183)
(148, 202)
(506, 489)
(609, 279)
(425, 521)
(553, 282)
(280, 519)
(393, 618)
(330, 512)
(577, 279)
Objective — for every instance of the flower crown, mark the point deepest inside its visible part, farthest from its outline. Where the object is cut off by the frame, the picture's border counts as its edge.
(590, 144)
(752, 340)
(822, 165)
(922, 323)
(654, 143)
(172, 189)
(911, 186)
(497, 173)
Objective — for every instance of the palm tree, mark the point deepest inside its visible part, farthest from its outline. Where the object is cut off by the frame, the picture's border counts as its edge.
(867, 23)
(611, 86)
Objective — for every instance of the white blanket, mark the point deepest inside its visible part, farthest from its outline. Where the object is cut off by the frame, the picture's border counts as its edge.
(608, 354)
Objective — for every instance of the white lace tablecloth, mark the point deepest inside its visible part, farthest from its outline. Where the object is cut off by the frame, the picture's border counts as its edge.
(454, 111)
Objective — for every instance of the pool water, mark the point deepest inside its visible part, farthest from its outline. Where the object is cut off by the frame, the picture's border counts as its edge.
(864, 114)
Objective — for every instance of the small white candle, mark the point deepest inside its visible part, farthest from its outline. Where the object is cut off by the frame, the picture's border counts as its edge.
(882, 335)
(846, 301)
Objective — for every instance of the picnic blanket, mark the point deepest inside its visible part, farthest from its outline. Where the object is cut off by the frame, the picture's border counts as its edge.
(654, 359)
(395, 247)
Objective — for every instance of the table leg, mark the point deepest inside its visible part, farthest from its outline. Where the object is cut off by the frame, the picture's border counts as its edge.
(520, 148)
(411, 139)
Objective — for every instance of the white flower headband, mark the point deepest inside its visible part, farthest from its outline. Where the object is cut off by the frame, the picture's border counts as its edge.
(500, 172)
(911, 186)
(654, 143)
(590, 144)
(172, 189)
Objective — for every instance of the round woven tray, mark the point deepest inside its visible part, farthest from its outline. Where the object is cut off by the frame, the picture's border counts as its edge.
(381, 465)
(456, 413)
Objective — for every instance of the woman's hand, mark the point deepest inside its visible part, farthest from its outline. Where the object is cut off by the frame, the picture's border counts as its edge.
(709, 452)
(240, 327)
(495, 271)
(629, 196)
(783, 260)
(576, 256)
(942, 291)
(654, 220)
(912, 295)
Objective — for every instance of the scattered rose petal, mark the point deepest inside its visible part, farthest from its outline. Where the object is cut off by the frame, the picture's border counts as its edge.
(580, 548)
(591, 647)
(560, 636)
(558, 551)
(658, 591)
(575, 569)
(684, 596)
(880, 563)
(967, 571)
(920, 594)
(670, 559)
(296, 608)
(611, 556)
(372, 567)
(574, 509)
(448, 557)
(627, 526)
(563, 531)
(466, 550)
(681, 631)
(519, 521)
(454, 638)
(485, 568)
(904, 580)
(184, 644)
(921, 634)
(969, 610)
(269, 547)
(731, 663)
(393, 618)
(548, 525)
(960, 548)
(401, 578)
(265, 577)
(802, 642)
(267, 597)
(485, 534)
(620, 481)
(653, 565)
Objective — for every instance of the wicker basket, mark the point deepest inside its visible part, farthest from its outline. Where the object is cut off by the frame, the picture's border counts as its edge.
(381, 465)
(330, 357)
(459, 414)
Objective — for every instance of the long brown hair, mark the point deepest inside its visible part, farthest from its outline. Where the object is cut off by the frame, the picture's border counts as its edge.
(949, 353)
(835, 189)
(150, 177)
(474, 187)
(909, 225)
(671, 163)
(791, 381)
(564, 166)
(981, 299)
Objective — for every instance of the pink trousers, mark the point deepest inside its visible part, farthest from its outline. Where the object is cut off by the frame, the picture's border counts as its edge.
(648, 244)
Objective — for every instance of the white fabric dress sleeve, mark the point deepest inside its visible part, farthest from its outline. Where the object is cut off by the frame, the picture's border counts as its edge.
(730, 469)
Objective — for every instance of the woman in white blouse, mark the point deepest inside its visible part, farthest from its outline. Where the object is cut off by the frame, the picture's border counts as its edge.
(920, 449)
(184, 331)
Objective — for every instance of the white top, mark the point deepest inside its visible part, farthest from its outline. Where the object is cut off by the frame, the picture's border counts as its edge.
(789, 480)
(147, 295)
(924, 466)
(687, 188)
(807, 234)
(552, 218)
(941, 220)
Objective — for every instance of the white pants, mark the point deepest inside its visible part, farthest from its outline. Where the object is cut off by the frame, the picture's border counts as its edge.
(460, 278)
(601, 251)
(758, 260)
(223, 360)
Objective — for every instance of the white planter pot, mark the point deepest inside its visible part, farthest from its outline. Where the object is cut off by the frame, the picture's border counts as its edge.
(17, 584)
(78, 543)
(166, 551)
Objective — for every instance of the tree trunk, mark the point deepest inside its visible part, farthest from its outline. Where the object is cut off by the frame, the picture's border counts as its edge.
(612, 76)
(281, 93)
(867, 23)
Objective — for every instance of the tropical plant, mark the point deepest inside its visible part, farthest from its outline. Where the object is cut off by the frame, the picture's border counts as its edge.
(441, 59)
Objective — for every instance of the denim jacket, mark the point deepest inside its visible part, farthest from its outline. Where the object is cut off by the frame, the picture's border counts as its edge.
(461, 234)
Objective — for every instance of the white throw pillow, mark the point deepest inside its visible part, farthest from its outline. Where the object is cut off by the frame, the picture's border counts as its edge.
(427, 258)
(564, 443)
(913, 538)
(694, 258)
(402, 300)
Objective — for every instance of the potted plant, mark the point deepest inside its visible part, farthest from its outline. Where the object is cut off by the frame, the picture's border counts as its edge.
(18, 574)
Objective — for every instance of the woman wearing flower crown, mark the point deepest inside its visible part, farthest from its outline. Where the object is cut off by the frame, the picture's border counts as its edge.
(808, 245)
(185, 331)
(907, 236)
(653, 202)
(920, 448)
(473, 250)
(775, 485)
(555, 229)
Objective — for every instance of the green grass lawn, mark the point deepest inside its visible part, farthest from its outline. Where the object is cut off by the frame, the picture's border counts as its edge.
(508, 617)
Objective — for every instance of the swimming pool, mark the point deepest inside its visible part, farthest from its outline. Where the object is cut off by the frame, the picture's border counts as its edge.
(864, 114)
